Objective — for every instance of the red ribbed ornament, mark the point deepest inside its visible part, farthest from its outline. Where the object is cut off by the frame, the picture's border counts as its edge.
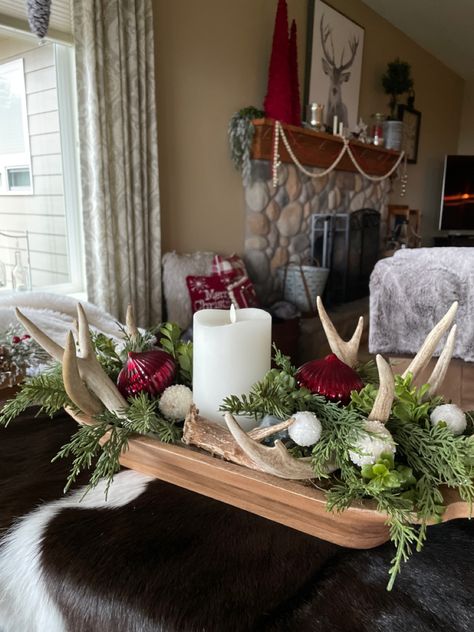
(146, 371)
(329, 377)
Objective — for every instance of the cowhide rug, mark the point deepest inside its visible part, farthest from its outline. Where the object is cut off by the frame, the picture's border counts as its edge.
(159, 558)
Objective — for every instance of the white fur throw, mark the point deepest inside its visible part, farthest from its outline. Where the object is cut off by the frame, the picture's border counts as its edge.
(54, 314)
(412, 290)
(175, 270)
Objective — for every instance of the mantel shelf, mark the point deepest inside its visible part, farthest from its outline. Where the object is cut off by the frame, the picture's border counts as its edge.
(318, 149)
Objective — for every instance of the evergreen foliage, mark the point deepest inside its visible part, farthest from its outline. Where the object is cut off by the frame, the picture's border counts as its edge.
(405, 487)
(240, 133)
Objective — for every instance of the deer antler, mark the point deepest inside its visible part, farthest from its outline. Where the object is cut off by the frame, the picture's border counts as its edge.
(353, 46)
(88, 367)
(384, 400)
(73, 384)
(132, 328)
(276, 460)
(347, 352)
(439, 372)
(429, 345)
(325, 33)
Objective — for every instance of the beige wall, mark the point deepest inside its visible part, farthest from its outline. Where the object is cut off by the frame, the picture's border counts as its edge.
(212, 59)
(466, 133)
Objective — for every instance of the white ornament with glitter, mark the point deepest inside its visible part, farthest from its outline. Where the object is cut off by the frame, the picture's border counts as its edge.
(375, 441)
(176, 401)
(452, 416)
(306, 429)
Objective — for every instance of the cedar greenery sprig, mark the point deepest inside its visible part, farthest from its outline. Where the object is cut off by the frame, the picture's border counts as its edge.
(276, 394)
(85, 445)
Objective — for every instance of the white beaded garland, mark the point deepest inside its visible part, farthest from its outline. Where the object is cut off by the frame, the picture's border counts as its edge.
(278, 130)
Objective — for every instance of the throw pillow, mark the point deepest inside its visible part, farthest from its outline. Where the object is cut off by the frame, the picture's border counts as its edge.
(233, 273)
(242, 293)
(207, 292)
(232, 268)
(175, 270)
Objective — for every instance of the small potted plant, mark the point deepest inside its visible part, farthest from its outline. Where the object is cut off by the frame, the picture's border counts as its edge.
(396, 81)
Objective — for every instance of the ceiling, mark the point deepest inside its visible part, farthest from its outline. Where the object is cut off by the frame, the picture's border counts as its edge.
(445, 29)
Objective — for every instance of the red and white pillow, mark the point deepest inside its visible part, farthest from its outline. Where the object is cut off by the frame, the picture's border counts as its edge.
(228, 284)
(207, 292)
(233, 273)
(230, 268)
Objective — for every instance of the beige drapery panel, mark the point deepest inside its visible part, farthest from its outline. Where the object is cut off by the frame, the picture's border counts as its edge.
(119, 155)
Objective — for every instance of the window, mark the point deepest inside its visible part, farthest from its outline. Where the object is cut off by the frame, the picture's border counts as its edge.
(39, 190)
(19, 179)
(14, 137)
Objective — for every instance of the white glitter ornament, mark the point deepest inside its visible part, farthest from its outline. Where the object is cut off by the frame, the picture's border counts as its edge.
(306, 429)
(176, 401)
(453, 417)
(370, 447)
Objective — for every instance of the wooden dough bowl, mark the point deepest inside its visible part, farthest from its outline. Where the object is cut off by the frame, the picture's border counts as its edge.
(299, 505)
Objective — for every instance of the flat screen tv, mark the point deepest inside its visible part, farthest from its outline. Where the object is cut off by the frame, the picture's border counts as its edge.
(457, 198)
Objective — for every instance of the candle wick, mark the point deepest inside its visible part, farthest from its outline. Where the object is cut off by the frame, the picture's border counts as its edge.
(233, 314)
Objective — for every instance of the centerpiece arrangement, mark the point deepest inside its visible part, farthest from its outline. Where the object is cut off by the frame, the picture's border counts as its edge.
(384, 457)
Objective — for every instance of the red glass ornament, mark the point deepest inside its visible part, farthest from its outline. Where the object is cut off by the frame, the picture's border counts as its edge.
(329, 377)
(146, 371)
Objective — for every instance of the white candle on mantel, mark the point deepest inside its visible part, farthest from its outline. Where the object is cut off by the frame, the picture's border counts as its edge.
(231, 351)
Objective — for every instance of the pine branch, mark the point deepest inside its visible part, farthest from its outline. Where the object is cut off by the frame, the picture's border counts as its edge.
(85, 445)
(45, 390)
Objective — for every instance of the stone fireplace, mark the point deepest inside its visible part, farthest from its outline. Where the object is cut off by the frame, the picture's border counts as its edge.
(278, 220)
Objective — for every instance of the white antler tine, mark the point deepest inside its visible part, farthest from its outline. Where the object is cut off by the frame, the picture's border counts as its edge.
(384, 400)
(83, 333)
(73, 384)
(438, 374)
(132, 328)
(431, 341)
(348, 351)
(49, 345)
(92, 372)
(275, 460)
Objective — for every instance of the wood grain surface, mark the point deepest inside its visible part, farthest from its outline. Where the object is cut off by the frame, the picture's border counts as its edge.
(299, 505)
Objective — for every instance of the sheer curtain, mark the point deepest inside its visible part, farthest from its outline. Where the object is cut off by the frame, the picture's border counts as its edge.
(119, 155)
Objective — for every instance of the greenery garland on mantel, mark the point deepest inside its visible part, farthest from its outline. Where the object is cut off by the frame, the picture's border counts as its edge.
(403, 485)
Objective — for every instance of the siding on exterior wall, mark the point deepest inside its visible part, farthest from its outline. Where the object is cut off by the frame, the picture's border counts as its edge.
(42, 214)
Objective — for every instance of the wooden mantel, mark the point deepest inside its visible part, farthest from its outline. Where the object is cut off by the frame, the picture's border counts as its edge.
(318, 149)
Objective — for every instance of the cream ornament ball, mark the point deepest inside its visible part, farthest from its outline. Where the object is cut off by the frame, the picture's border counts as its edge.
(306, 429)
(451, 415)
(176, 401)
(371, 444)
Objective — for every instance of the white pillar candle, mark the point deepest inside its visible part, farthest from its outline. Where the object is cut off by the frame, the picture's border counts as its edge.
(228, 357)
(334, 124)
(341, 129)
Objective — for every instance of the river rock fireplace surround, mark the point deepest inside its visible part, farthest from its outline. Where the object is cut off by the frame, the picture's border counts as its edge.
(278, 218)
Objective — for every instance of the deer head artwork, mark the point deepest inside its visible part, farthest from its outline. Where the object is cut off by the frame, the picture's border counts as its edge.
(337, 74)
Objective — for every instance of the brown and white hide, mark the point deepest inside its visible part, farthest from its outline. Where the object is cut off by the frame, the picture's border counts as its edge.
(155, 558)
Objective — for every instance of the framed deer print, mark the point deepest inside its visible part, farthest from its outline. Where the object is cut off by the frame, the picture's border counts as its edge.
(334, 64)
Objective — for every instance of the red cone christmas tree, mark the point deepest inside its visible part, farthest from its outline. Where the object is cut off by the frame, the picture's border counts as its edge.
(294, 83)
(278, 102)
